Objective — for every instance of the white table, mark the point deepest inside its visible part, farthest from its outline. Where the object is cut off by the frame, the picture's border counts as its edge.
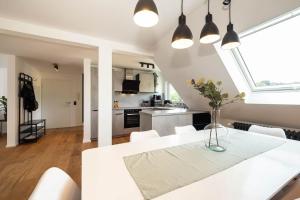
(105, 177)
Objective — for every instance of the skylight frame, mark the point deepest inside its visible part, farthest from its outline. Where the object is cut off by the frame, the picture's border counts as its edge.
(243, 66)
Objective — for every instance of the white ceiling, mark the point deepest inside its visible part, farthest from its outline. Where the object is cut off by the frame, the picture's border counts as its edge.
(64, 55)
(47, 70)
(108, 19)
(132, 61)
(46, 51)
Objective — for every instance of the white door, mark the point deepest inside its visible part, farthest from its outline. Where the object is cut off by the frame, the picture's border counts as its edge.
(61, 103)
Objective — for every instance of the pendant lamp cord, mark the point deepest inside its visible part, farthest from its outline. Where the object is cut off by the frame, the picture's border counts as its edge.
(208, 6)
(230, 13)
(181, 6)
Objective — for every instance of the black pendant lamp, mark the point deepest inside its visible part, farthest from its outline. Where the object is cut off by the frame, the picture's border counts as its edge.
(145, 13)
(231, 40)
(182, 37)
(210, 32)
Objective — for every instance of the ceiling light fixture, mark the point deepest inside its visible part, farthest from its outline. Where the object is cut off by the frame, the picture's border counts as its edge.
(148, 65)
(182, 37)
(231, 39)
(145, 13)
(210, 32)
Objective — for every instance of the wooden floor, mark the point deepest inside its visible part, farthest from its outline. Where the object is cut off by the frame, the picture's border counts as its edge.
(21, 167)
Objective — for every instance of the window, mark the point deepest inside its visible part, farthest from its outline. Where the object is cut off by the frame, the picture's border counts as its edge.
(171, 93)
(269, 55)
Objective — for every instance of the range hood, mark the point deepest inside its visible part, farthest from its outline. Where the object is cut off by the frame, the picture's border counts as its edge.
(130, 86)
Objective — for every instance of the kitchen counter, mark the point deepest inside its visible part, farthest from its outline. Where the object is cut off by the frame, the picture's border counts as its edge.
(137, 107)
(164, 121)
(174, 111)
(143, 108)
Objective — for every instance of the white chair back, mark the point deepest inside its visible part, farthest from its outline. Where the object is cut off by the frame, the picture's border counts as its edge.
(276, 132)
(143, 135)
(180, 130)
(55, 184)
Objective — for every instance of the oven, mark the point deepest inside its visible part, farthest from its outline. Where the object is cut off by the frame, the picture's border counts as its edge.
(131, 118)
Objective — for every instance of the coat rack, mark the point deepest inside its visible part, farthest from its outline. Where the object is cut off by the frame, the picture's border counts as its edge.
(29, 130)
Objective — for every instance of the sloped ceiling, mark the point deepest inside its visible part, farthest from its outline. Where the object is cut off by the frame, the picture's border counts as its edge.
(203, 61)
(107, 19)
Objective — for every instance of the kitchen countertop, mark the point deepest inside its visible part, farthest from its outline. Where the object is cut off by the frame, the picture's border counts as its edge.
(175, 111)
(142, 108)
(137, 107)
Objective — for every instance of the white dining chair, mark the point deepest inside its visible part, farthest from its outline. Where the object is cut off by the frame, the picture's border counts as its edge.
(55, 184)
(143, 135)
(276, 132)
(180, 130)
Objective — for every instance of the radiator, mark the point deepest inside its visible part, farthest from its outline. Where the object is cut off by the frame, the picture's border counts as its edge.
(290, 134)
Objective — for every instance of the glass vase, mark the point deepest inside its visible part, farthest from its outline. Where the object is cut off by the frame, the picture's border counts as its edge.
(214, 128)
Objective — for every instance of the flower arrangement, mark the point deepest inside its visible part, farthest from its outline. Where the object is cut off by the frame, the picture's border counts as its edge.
(213, 91)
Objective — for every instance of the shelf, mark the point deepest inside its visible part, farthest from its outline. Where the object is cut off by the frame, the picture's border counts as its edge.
(34, 129)
(24, 135)
(30, 137)
(34, 122)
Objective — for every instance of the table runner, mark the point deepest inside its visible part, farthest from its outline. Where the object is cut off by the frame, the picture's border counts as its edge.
(161, 171)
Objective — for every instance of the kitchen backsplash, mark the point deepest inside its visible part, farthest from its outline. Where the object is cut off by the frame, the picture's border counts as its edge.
(131, 100)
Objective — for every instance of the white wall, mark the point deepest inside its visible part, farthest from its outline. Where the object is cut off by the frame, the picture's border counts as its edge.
(201, 60)
(105, 96)
(87, 128)
(42, 72)
(3, 81)
(131, 100)
(24, 66)
(12, 101)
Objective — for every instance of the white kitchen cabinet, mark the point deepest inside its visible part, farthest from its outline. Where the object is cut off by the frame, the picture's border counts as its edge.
(164, 124)
(118, 122)
(118, 77)
(146, 82)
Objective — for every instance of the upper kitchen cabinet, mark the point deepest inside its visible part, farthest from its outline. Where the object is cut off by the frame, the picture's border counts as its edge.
(146, 82)
(118, 77)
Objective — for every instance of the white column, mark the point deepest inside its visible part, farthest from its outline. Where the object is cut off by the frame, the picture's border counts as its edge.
(87, 101)
(105, 96)
(12, 102)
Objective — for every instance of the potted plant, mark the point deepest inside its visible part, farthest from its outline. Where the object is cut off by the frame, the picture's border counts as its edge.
(3, 106)
(217, 99)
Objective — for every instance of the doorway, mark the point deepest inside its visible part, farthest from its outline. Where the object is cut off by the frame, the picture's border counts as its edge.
(62, 102)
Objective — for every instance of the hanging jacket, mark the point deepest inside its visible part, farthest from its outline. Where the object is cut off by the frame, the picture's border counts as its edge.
(27, 93)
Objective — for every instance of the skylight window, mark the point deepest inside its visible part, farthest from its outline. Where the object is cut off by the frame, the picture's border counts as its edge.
(269, 55)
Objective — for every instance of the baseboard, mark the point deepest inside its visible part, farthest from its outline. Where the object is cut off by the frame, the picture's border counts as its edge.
(87, 141)
(11, 145)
